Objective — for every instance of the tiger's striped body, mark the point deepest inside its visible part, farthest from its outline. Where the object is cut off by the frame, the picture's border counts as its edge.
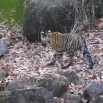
(69, 43)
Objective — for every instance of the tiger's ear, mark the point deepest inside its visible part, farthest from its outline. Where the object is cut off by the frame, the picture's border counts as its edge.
(42, 34)
(48, 31)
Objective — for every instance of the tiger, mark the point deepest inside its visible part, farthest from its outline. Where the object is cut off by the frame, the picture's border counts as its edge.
(66, 42)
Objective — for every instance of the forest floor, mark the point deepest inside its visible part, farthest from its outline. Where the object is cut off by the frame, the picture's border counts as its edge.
(25, 59)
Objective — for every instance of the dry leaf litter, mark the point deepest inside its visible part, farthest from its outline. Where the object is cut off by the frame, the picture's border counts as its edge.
(25, 59)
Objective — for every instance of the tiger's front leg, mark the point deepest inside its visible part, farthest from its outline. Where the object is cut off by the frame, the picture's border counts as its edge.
(57, 56)
(53, 59)
(60, 59)
(69, 63)
(65, 65)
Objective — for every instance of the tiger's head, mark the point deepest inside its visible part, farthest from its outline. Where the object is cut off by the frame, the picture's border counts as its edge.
(46, 38)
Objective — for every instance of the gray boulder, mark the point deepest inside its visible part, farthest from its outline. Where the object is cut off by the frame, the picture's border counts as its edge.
(55, 83)
(31, 95)
(52, 82)
(93, 90)
(57, 15)
(71, 98)
(20, 84)
(46, 14)
(3, 48)
(99, 99)
(2, 74)
(72, 77)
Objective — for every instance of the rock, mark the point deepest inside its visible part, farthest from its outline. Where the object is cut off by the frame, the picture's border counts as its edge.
(2, 73)
(14, 85)
(58, 100)
(72, 76)
(20, 84)
(71, 98)
(3, 49)
(99, 99)
(32, 95)
(94, 89)
(46, 15)
(55, 83)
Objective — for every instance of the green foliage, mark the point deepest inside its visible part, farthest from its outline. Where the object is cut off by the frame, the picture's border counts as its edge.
(11, 10)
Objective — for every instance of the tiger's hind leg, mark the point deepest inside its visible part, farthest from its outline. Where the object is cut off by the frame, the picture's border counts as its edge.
(86, 54)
